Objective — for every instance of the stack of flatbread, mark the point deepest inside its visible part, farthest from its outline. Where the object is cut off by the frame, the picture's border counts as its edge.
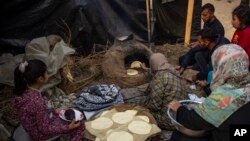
(126, 125)
(134, 65)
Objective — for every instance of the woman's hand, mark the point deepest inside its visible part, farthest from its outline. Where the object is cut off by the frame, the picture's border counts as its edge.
(202, 83)
(74, 124)
(174, 105)
(143, 66)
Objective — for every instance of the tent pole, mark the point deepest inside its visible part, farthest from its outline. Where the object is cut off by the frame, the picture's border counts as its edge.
(148, 20)
(151, 19)
(189, 21)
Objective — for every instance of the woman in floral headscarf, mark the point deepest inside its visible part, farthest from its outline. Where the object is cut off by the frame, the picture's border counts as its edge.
(165, 86)
(229, 101)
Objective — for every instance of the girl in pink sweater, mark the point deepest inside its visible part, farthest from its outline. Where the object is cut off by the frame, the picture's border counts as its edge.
(31, 108)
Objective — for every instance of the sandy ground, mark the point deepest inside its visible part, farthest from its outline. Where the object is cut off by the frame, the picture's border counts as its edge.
(223, 11)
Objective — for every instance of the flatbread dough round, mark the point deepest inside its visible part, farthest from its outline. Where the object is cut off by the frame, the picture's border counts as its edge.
(120, 136)
(132, 112)
(139, 127)
(132, 72)
(104, 113)
(122, 117)
(144, 118)
(109, 131)
(101, 123)
(136, 64)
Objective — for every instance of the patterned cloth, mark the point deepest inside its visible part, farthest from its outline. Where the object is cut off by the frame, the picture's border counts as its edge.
(98, 97)
(230, 85)
(230, 65)
(163, 88)
(33, 115)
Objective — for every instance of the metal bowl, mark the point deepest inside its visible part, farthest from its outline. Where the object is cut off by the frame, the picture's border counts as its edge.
(190, 104)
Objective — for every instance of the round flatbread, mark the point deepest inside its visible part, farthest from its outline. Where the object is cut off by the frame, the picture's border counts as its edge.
(122, 117)
(120, 136)
(132, 112)
(132, 72)
(104, 113)
(109, 131)
(101, 123)
(136, 64)
(139, 127)
(144, 118)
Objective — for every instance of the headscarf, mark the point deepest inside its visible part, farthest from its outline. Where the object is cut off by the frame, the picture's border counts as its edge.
(159, 62)
(230, 63)
(230, 85)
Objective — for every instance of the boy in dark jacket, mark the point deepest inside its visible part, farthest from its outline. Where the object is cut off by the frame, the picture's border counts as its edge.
(210, 21)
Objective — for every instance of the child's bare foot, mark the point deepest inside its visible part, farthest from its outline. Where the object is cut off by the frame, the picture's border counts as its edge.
(178, 68)
(181, 70)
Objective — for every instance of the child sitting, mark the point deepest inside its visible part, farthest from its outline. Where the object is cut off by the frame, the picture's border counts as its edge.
(241, 22)
(31, 108)
(210, 22)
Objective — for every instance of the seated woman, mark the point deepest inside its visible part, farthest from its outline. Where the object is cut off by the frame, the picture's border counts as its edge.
(29, 77)
(165, 86)
(227, 104)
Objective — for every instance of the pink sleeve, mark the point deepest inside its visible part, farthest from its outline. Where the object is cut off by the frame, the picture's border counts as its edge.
(46, 125)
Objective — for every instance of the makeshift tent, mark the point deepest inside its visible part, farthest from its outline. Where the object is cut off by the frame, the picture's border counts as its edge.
(91, 21)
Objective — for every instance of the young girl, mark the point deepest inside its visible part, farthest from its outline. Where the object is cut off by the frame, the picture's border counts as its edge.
(241, 22)
(31, 108)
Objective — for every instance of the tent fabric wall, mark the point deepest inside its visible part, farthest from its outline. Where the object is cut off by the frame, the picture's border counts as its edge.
(171, 20)
(24, 20)
(90, 21)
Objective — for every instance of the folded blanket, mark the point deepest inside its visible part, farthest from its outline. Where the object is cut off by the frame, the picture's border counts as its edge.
(98, 97)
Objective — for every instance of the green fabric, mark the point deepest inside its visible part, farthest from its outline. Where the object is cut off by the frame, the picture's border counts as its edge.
(222, 103)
